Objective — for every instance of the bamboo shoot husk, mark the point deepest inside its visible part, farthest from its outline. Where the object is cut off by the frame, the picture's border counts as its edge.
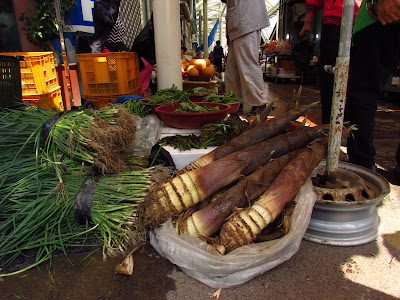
(243, 227)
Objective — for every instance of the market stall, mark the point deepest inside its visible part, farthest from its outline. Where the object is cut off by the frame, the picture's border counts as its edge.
(234, 200)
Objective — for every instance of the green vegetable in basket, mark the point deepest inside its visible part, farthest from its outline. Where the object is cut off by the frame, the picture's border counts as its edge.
(201, 90)
(165, 96)
(137, 108)
(212, 134)
(228, 98)
(188, 107)
(214, 98)
(231, 97)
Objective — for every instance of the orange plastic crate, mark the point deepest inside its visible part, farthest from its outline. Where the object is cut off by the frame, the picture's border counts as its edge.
(106, 74)
(51, 100)
(102, 101)
(38, 72)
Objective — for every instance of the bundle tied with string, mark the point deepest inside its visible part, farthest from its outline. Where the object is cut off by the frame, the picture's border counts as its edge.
(47, 156)
(110, 203)
(95, 137)
(83, 201)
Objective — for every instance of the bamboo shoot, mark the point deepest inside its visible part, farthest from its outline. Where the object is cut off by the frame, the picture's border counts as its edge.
(185, 190)
(243, 227)
(208, 220)
(261, 132)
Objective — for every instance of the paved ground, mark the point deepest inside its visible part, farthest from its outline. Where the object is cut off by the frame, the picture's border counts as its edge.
(316, 271)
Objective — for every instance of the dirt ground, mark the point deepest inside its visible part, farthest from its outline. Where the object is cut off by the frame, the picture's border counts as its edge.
(316, 271)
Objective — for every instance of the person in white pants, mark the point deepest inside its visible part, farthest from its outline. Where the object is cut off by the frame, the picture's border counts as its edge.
(243, 73)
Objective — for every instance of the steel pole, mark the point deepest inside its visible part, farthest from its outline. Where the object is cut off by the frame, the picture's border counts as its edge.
(341, 72)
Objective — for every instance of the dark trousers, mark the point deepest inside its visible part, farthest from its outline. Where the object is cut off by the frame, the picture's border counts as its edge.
(329, 46)
(374, 55)
(218, 63)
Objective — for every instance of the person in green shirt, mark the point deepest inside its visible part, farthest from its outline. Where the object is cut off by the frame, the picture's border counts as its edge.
(375, 54)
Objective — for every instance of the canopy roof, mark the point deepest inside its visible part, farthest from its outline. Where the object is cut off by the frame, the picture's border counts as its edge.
(216, 10)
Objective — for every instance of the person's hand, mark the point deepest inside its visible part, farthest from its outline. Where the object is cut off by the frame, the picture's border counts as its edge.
(389, 11)
(305, 31)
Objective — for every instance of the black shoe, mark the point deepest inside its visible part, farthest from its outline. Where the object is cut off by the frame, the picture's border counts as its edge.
(255, 110)
(370, 167)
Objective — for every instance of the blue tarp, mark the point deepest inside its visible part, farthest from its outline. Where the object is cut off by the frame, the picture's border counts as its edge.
(211, 35)
(122, 99)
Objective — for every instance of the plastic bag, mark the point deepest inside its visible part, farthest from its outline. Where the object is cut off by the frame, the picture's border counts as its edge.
(244, 263)
(281, 45)
(123, 99)
(145, 76)
(301, 54)
(148, 133)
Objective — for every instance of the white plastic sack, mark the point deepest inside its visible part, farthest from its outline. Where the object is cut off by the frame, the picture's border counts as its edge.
(239, 266)
(147, 135)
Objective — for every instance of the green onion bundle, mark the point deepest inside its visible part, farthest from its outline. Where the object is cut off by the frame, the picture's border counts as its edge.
(37, 218)
(36, 221)
(20, 142)
(68, 136)
(114, 205)
(95, 137)
(43, 222)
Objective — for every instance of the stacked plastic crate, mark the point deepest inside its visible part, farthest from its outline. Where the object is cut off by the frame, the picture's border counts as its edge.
(10, 81)
(39, 81)
(107, 76)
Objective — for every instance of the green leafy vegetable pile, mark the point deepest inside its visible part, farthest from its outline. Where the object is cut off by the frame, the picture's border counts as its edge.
(228, 98)
(189, 107)
(137, 108)
(213, 134)
(201, 90)
(165, 96)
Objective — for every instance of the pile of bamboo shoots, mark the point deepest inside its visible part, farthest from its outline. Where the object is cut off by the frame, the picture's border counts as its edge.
(230, 195)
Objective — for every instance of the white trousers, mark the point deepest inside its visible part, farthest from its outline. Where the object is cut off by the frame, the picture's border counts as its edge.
(243, 73)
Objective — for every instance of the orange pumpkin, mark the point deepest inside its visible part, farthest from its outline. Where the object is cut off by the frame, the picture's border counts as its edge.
(189, 68)
(185, 65)
(208, 71)
(200, 64)
(193, 72)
